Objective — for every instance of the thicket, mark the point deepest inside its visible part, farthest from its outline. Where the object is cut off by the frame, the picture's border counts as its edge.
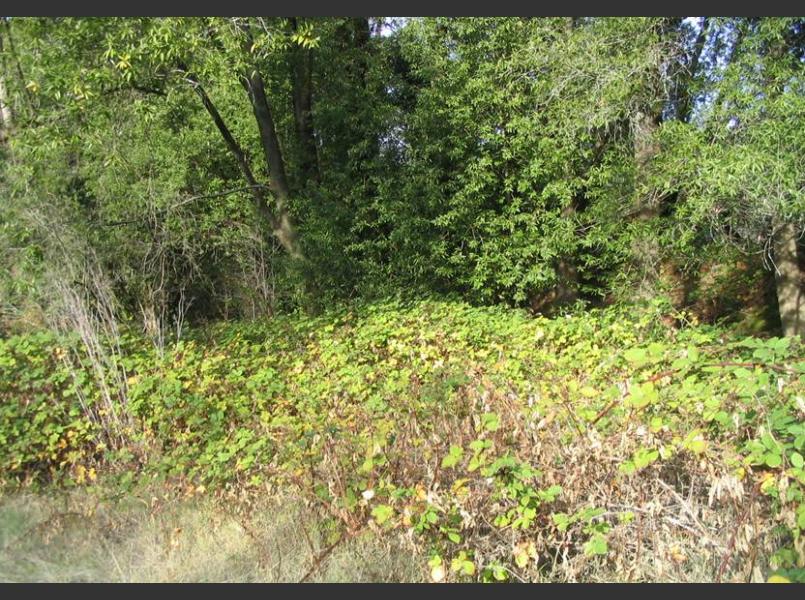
(500, 446)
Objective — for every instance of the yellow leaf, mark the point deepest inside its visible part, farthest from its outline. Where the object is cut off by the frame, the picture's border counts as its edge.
(420, 493)
(778, 579)
(767, 482)
(523, 552)
(589, 392)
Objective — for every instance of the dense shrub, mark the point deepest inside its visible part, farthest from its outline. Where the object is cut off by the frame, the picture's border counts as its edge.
(505, 447)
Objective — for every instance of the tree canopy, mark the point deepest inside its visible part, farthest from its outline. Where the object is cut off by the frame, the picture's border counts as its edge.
(234, 167)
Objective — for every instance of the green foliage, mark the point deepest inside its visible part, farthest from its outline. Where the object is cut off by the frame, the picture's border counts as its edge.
(43, 427)
(554, 164)
(361, 410)
(494, 158)
(739, 162)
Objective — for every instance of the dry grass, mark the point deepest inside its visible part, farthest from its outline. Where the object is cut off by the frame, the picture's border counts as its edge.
(690, 519)
(77, 538)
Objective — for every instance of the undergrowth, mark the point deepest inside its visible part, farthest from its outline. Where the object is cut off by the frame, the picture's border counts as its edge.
(495, 446)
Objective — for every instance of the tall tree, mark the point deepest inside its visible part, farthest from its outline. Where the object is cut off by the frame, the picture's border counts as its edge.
(236, 49)
(740, 166)
(302, 74)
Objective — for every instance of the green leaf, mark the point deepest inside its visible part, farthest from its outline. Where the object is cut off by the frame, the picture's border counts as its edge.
(453, 457)
(642, 395)
(490, 421)
(636, 356)
(597, 545)
(382, 513)
(773, 460)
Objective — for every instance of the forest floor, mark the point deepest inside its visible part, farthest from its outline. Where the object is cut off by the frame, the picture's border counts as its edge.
(431, 441)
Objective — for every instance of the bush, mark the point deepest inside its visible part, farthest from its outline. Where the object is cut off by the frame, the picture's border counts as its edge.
(600, 445)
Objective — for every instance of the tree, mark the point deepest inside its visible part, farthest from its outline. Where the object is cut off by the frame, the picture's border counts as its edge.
(740, 162)
(530, 161)
(154, 54)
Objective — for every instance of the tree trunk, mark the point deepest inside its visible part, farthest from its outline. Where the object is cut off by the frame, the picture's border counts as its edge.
(645, 249)
(278, 220)
(277, 180)
(789, 281)
(303, 108)
(645, 122)
(252, 81)
(240, 156)
(645, 125)
(5, 107)
(567, 288)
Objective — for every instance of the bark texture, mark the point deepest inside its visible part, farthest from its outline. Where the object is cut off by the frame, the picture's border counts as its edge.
(789, 281)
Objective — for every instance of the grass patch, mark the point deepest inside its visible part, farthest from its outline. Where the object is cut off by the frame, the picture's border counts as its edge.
(79, 537)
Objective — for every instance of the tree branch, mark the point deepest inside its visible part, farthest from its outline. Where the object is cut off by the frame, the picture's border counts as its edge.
(240, 156)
